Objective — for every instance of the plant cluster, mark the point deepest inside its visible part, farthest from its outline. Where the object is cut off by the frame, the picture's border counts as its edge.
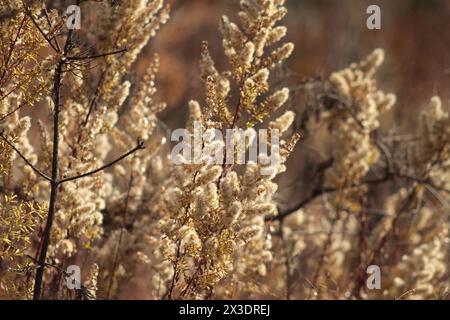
(88, 180)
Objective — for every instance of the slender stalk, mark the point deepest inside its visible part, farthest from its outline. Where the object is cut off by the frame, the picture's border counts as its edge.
(28, 162)
(117, 252)
(6, 115)
(98, 55)
(54, 185)
(140, 145)
(287, 264)
(323, 254)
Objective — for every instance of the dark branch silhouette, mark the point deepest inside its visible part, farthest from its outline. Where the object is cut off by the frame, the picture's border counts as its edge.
(98, 55)
(139, 146)
(39, 172)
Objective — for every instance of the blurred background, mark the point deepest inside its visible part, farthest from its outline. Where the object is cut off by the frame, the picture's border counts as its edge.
(328, 34)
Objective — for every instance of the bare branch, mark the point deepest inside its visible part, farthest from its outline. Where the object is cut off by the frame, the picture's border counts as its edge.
(140, 145)
(426, 182)
(119, 242)
(47, 17)
(321, 191)
(3, 117)
(98, 55)
(39, 172)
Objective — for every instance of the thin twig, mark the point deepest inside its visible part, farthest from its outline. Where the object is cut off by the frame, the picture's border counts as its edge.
(116, 254)
(324, 252)
(287, 263)
(3, 117)
(139, 146)
(47, 17)
(318, 191)
(98, 55)
(39, 172)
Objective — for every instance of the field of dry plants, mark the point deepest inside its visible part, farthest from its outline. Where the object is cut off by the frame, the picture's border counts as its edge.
(93, 205)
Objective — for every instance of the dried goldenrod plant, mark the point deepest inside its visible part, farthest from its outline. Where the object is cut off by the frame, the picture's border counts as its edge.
(88, 179)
